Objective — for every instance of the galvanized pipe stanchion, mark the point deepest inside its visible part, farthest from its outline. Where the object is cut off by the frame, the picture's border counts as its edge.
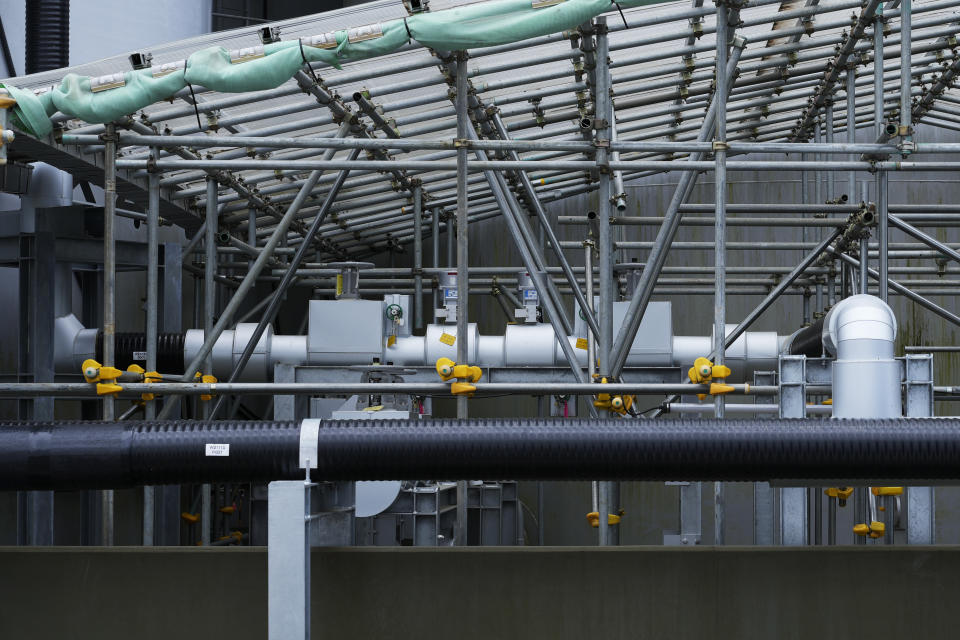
(109, 302)
(151, 326)
(418, 255)
(463, 274)
(720, 240)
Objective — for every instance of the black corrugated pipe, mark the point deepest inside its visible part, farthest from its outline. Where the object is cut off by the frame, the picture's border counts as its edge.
(75, 455)
(48, 35)
(130, 348)
(809, 341)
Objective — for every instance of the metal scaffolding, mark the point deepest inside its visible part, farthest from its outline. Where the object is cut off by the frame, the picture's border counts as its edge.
(385, 155)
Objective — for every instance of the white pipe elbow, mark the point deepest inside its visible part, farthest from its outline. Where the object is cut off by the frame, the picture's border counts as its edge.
(861, 327)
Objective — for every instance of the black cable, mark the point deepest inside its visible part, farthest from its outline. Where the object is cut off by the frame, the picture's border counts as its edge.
(193, 97)
(622, 17)
(309, 67)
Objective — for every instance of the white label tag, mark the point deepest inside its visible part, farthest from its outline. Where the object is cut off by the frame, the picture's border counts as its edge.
(140, 355)
(218, 449)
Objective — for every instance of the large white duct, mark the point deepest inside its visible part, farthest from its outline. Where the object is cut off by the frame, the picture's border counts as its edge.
(521, 345)
(860, 332)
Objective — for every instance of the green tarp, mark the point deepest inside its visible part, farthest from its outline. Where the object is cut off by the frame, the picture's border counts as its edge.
(472, 26)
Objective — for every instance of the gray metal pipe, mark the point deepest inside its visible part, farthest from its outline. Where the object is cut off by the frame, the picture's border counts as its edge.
(418, 256)
(109, 304)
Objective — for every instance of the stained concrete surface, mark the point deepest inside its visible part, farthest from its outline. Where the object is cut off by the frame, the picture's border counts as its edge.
(549, 593)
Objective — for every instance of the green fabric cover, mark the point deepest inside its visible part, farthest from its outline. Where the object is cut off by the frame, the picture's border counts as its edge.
(472, 26)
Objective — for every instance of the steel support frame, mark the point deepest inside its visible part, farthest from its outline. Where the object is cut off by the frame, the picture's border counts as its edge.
(463, 273)
(720, 242)
(763, 493)
(794, 507)
(608, 492)
(918, 396)
(109, 303)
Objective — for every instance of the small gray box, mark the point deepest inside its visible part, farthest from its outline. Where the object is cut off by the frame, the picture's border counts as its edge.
(345, 328)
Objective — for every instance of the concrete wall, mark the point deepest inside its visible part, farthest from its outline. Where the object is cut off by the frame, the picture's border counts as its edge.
(554, 594)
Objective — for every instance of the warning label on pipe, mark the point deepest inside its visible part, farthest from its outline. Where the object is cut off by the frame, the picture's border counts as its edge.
(218, 449)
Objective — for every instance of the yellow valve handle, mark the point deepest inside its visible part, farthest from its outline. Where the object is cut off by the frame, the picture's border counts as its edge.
(717, 389)
(152, 376)
(228, 510)
(720, 371)
(106, 389)
(828, 401)
(90, 370)
(110, 373)
(192, 518)
(93, 371)
(207, 379)
(594, 519)
(468, 372)
(703, 370)
(875, 529)
(617, 404)
(620, 404)
(234, 535)
(886, 491)
(445, 368)
(841, 493)
(462, 388)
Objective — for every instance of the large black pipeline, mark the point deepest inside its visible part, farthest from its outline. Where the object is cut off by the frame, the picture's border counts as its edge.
(809, 341)
(47, 35)
(74, 455)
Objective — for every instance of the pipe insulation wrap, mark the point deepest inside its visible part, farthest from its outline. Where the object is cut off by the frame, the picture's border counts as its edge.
(78, 455)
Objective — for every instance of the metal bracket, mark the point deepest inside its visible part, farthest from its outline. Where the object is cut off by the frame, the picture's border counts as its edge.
(309, 433)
